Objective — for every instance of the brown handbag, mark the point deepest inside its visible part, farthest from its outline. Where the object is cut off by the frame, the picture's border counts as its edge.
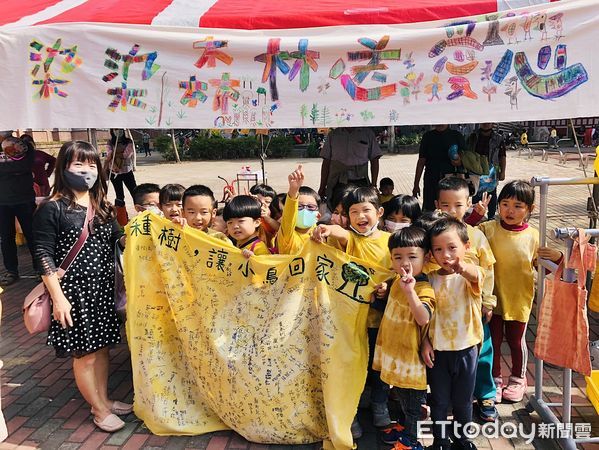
(37, 310)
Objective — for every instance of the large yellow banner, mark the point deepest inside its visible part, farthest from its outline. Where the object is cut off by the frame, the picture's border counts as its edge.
(273, 347)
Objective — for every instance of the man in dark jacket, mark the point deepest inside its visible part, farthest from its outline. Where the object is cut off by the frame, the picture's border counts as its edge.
(17, 200)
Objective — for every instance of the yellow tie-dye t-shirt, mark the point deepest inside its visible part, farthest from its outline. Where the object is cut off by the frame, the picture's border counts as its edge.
(375, 250)
(457, 322)
(516, 252)
(481, 254)
(289, 240)
(397, 352)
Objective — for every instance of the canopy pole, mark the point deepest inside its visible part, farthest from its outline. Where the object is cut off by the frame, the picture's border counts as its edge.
(175, 146)
(128, 131)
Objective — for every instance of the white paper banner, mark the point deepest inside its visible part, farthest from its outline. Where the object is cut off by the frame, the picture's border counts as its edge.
(535, 63)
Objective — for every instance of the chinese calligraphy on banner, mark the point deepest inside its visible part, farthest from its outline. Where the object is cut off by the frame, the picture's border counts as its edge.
(534, 62)
(273, 347)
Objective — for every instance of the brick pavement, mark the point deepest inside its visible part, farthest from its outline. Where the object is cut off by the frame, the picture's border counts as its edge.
(44, 410)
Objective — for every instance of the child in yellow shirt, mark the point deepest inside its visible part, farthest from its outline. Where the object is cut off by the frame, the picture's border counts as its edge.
(365, 241)
(453, 198)
(386, 187)
(515, 246)
(455, 331)
(397, 354)
(243, 218)
(300, 214)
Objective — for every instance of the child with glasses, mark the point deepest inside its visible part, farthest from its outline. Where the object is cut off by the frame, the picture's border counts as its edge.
(145, 198)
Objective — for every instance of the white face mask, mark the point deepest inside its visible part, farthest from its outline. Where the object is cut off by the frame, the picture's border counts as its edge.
(394, 226)
(367, 232)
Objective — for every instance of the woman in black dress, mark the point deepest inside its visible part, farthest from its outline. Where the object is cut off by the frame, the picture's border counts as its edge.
(85, 323)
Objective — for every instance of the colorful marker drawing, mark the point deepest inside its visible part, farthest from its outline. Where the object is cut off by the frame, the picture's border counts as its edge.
(556, 24)
(550, 86)
(367, 115)
(273, 58)
(226, 89)
(343, 116)
(511, 29)
(124, 95)
(366, 94)
(493, 37)
(404, 92)
(303, 113)
(304, 61)
(393, 116)
(337, 69)
(461, 87)
(194, 92)
(544, 57)
(434, 88)
(376, 54)
(512, 90)
(464, 41)
(210, 52)
(463, 69)
(503, 68)
(527, 25)
(489, 88)
(49, 85)
(541, 24)
(561, 56)
(440, 64)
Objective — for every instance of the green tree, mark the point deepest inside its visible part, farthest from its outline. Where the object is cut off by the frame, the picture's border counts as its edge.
(314, 113)
(354, 276)
(303, 112)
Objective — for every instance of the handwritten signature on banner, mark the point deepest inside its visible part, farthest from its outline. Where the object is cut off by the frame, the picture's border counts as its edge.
(273, 347)
(468, 60)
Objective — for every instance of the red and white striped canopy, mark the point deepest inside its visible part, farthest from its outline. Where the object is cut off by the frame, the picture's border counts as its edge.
(247, 14)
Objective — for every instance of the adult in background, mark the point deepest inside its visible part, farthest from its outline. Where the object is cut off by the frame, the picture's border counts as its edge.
(434, 159)
(486, 142)
(17, 200)
(43, 166)
(145, 139)
(85, 322)
(345, 156)
(119, 167)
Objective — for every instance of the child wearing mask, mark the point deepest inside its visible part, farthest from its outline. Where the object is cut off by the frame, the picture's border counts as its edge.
(400, 211)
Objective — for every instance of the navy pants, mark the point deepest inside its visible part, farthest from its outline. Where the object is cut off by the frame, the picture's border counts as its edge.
(24, 213)
(411, 401)
(379, 390)
(452, 381)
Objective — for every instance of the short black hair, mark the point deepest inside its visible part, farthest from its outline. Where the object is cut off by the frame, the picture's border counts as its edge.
(428, 218)
(361, 195)
(447, 224)
(339, 193)
(409, 237)
(171, 193)
(264, 190)
(452, 184)
(521, 190)
(198, 190)
(386, 182)
(242, 206)
(219, 211)
(142, 190)
(305, 190)
(405, 204)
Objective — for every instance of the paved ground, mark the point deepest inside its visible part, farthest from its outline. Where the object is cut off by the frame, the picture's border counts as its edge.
(44, 410)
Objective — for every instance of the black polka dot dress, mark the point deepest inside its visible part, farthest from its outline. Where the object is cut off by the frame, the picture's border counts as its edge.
(89, 282)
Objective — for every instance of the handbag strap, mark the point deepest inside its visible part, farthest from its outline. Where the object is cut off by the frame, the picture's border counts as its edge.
(76, 248)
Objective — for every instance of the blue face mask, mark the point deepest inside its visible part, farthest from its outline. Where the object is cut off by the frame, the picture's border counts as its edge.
(306, 218)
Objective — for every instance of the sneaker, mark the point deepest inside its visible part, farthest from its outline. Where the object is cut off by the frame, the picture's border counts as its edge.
(402, 446)
(499, 392)
(9, 279)
(392, 434)
(380, 415)
(515, 390)
(425, 412)
(487, 410)
(356, 429)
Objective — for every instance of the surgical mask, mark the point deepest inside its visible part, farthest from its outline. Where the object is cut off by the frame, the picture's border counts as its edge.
(154, 209)
(80, 181)
(394, 226)
(306, 218)
(366, 233)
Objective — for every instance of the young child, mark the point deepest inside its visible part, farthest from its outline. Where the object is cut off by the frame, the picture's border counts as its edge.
(364, 240)
(242, 216)
(219, 224)
(409, 308)
(339, 215)
(267, 196)
(199, 211)
(300, 215)
(455, 331)
(453, 197)
(400, 211)
(386, 187)
(171, 200)
(146, 198)
(515, 246)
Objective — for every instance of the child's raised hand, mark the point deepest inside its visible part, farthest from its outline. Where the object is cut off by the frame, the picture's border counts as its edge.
(482, 206)
(457, 266)
(407, 280)
(296, 181)
(247, 254)
(180, 221)
(550, 254)
(427, 352)
(320, 233)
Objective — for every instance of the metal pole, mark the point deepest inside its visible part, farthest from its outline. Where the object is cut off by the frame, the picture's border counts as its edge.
(175, 146)
(541, 282)
(539, 181)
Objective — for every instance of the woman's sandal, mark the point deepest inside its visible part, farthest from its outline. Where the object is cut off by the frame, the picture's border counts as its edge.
(119, 408)
(110, 424)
